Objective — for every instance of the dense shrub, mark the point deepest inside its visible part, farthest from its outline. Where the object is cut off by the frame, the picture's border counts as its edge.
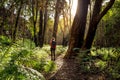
(23, 61)
(103, 60)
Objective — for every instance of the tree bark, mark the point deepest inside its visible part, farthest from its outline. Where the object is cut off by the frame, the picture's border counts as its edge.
(42, 24)
(45, 21)
(3, 17)
(35, 16)
(78, 28)
(40, 33)
(65, 21)
(96, 17)
(16, 23)
(56, 20)
(70, 7)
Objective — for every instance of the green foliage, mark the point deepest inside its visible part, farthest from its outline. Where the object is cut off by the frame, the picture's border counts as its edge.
(17, 66)
(103, 60)
(26, 43)
(20, 61)
(4, 40)
(15, 72)
(50, 66)
(107, 34)
(60, 50)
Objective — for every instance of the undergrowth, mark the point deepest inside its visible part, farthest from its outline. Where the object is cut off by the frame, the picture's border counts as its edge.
(24, 61)
(103, 60)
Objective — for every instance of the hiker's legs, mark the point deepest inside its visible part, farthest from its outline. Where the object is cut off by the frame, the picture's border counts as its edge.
(51, 54)
(54, 54)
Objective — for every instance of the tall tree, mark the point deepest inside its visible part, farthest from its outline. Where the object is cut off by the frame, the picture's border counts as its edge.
(58, 7)
(17, 19)
(96, 17)
(42, 23)
(78, 27)
(40, 33)
(67, 21)
(2, 16)
(45, 20)
(34, 5)
(2, 19)
(70, 7)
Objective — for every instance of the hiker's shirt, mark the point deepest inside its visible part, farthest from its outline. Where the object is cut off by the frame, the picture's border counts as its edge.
(53, 44)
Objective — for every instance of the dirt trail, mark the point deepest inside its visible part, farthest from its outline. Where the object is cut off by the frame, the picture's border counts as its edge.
(70, 70)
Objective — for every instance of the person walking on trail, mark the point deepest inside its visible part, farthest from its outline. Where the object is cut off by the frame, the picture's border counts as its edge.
(52, 48)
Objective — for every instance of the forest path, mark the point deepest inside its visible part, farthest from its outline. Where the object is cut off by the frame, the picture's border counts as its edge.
(69, 69)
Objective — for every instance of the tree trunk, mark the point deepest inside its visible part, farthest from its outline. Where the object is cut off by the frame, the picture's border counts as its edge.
(35, 16)
(2, 26)
(42, 24)
(40, 33)
(70, 7)
(64, 29)
(35, 36)
(16, 23)
(78, 28)
(3, 18)
(96, 17)
(56, 20)
(45, 21)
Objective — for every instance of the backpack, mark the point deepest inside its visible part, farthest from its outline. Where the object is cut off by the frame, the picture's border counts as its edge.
(53, 44)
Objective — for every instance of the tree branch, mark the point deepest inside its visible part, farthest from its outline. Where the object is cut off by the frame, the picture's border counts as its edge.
(111, 2)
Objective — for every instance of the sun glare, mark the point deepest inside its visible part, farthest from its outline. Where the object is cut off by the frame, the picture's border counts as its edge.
(74, 7)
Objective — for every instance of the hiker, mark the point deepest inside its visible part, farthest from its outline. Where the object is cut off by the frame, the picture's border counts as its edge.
(52, 48)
